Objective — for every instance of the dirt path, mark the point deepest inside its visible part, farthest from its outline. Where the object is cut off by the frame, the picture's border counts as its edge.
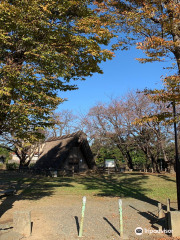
(57, 218)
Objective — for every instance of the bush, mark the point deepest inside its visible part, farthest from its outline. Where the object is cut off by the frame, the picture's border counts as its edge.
(2, 166)
(32, 165)
(10, 166)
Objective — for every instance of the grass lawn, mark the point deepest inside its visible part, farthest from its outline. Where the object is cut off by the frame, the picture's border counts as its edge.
(145, 187)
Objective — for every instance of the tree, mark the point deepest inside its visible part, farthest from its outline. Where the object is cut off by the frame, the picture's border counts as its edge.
(4, 152)
(153, 26)
(64, 123)
(106, 149)
(105, 122)
(150, 25)
(116, 122)
(24, 149)
(43, 45)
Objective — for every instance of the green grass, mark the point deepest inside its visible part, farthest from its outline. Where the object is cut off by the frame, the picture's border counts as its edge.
(129, 185)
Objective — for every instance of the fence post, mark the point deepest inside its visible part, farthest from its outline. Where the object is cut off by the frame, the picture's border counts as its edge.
(168, 205)
(64, 172)
(160, 210)
(82, 216)
(120, 218)
(73, 171)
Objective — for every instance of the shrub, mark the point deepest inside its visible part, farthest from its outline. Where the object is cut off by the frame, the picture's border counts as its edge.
(32, 165)
(2, 166)
(10, 166)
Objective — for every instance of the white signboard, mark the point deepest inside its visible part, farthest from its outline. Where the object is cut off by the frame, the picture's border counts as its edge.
(110, 163)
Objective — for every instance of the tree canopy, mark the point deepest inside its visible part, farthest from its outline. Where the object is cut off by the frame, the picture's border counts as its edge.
(153, 27)
(111, 125)
(43, 45)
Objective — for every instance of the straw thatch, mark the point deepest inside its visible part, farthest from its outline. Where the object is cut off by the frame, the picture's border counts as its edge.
(57, 149)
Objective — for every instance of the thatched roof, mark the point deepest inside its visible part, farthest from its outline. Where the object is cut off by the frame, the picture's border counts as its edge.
(57, 149)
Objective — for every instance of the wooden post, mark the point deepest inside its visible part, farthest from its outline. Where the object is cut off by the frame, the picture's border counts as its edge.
(64, 172)
(168, 205)
(82, 216)
(73, 171)
(120, 218)
(160, 210)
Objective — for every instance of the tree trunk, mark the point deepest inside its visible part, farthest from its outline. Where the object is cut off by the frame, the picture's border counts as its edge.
(155, 164)
(162, 146)
(23, 162)
(130, 163)
(126, 156)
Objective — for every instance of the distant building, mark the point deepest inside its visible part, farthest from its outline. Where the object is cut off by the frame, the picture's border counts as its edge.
(14, 158)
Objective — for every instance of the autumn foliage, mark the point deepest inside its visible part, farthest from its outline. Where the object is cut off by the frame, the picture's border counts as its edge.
(153, 27)
(44, 45)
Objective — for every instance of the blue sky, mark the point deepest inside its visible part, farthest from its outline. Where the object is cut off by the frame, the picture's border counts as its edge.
(121, 74)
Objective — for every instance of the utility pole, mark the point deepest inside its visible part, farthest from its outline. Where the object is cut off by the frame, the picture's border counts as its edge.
(177, 158)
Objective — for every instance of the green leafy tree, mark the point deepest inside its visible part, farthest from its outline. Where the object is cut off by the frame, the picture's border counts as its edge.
(5, 153)
(43, 45)
(105, 149)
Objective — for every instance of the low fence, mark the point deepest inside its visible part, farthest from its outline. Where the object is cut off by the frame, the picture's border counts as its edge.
(110, 170)
(71, 173)
(41, 172)
(62, 173)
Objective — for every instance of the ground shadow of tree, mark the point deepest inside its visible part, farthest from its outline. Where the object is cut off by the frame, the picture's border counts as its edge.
(35, 187)
(165, 177)
(28, 187)
(127, 186)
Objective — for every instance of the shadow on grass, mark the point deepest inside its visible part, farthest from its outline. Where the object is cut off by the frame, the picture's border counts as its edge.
(167, 178)
(121, 185)
(27, 187)
(117, 186)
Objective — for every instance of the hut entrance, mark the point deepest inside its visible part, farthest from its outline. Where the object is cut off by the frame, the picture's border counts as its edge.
(74, 162)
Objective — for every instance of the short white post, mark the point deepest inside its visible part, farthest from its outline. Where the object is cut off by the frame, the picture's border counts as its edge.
(120, 218)
(82, 216)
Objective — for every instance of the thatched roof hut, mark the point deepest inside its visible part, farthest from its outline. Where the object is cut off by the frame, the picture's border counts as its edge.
(65, 152)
